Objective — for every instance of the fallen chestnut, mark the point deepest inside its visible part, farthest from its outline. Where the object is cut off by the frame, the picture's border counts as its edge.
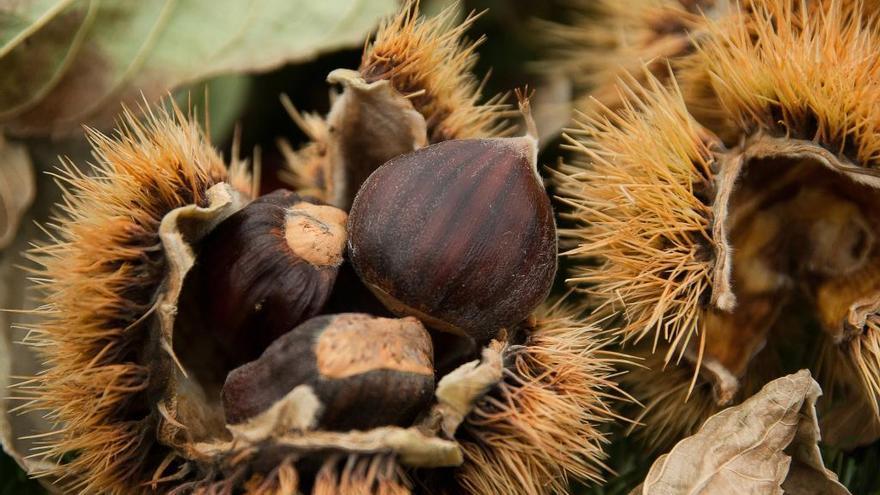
(366, 371)
(267, 268)
(460, 234)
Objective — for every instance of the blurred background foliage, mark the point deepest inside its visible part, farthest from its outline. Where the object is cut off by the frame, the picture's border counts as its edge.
(65, 63)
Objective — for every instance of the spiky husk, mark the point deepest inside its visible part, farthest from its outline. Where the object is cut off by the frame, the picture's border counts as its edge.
(864, 352)
(673, 402)
(541, 426)
(852, 366)
(638, 194)
(608, 39)
(339, 475)
(98, 274)
(813, 75)
(647, 205)
(283, 479)
(849, 417)
(307, 170)
(420, 69)
(358, 475)
(670, 407)
(430, 62)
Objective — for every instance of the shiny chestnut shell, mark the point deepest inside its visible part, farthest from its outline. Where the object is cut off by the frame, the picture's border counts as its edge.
(460, 234)
(267, 268)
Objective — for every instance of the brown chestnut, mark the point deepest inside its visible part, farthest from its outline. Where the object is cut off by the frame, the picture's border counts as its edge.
(460, 234)
(267, 268)
(366, 371)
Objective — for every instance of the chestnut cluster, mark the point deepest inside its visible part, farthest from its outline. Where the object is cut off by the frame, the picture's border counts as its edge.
(454, 238)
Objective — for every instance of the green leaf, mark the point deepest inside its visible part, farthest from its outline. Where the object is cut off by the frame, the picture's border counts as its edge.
(38, 47)
(90, 55)
(225, 98)
(21, 19)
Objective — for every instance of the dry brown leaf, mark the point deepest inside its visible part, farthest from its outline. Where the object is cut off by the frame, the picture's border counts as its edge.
(766, 445)
(17, 360)
(17, 188)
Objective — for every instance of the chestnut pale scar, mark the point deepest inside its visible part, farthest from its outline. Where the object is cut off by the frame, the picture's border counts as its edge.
(316, 233)
(400, 345)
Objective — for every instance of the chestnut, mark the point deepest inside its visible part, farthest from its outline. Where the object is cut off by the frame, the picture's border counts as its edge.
(267, 268)
(460, 234)
(365, 370)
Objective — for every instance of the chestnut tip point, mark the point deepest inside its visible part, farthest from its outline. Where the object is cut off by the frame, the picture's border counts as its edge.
(346, 77)
(530, 141)
(523, 97)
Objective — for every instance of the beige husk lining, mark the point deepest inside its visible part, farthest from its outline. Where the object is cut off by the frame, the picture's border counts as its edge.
(368, 124)
(428, 444)
(731, 165)
(722, 290)
(458, 392)
(180, 229)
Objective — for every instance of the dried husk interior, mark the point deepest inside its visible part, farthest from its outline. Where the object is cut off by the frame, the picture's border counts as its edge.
(184, 413)
(792, 228)
(791, 86)
(368, 124)
(800, 246)
(802, 228)
(732, 212)
(414, 87)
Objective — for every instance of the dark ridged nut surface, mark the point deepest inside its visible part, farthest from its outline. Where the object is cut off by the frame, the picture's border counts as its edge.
(267, 268)
(460, 234)
(366, 371)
